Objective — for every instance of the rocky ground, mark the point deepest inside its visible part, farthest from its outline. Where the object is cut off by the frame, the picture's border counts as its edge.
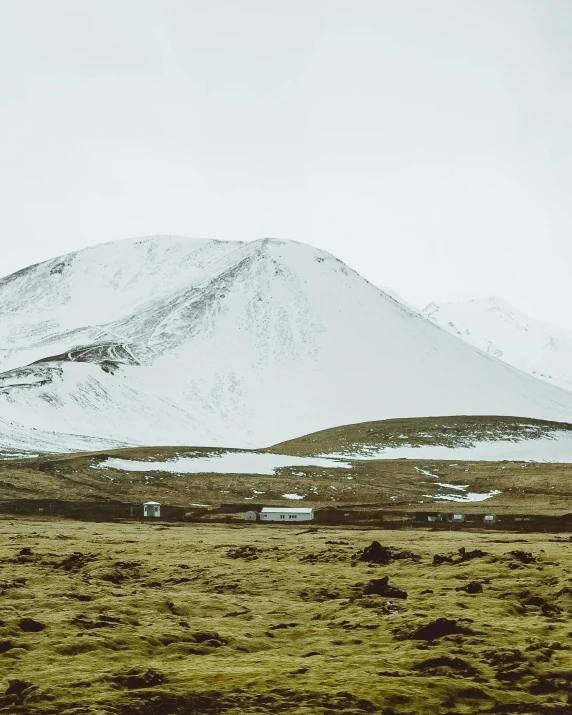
(146, 619)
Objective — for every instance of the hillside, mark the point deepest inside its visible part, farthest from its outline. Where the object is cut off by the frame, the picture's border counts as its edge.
(350, 467)
(499, 329)
(479, 438)
(166, 341)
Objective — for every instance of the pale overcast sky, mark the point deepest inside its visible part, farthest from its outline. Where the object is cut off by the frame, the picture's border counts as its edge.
(427, 143)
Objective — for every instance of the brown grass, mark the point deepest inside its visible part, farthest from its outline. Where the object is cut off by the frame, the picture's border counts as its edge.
(392, 485)
(446, 431)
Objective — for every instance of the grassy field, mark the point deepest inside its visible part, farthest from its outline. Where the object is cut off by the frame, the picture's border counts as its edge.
(391, 484)
(404, 484)
(159, 619)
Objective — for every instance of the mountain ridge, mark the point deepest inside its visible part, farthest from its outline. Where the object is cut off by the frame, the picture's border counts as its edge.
(168, 341)
(498, 328)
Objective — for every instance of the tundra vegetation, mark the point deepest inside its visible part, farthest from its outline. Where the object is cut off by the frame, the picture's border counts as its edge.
(151, 618)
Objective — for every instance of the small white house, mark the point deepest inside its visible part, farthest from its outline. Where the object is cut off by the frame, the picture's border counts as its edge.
(151, 508)
(489, 518)
(458, 517)
(286, 513)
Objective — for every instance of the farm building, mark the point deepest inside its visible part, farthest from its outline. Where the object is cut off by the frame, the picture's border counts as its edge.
(489, 518)
(457, 517)
(151, 508)
(251, 516)
(285, 513)
(430, 516)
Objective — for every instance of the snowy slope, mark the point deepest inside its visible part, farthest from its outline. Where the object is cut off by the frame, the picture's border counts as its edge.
(499, 329)
(556, 447)
(392, 293)
(176, 341)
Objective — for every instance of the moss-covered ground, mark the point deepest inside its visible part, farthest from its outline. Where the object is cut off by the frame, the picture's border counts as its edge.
(151, 619)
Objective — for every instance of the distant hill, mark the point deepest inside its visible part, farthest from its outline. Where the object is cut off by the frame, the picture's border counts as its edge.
(499, 329)
(468, 463)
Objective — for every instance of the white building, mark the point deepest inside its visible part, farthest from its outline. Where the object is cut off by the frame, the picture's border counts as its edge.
(151, 508)
(286, 513)
(250, 516)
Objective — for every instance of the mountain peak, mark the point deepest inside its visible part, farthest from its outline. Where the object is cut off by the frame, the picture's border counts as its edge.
(498, 328)
(167, 340)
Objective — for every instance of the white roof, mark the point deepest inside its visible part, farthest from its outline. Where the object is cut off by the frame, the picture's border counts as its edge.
(286, 509)
(151, 503)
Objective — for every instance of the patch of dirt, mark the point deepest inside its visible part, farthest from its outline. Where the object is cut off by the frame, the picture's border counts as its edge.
(134, 679)
(382, 587)
(375, 553)
(439, 628)
(75, 561)
(525, 557)
(473, 587)
(30, 625)
(250, 553)
(443, 665)
(459, 558)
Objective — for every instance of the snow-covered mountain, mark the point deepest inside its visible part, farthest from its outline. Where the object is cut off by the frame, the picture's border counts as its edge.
(168, 340)
(494, 326)
(392, 293)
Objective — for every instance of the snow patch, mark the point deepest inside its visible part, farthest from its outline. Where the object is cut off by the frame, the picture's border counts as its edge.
(557, 447)
(223, 463)
(468, 497)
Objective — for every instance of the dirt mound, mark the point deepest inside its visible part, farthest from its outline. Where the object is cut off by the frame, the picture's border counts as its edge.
(525, 557)
(547, 609)
(510, 664)
(80, 596)
(250, 553)
(281, 626)
(134, 679)
(7, 645)
(381, 587)
(25, 556)
(17, 687)
(210, 638)
(29, 625)
(15, 583)
(473, 587)
(439, 628)
(375, 553)
(75, 561)
(443, 665)
(459, 558)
